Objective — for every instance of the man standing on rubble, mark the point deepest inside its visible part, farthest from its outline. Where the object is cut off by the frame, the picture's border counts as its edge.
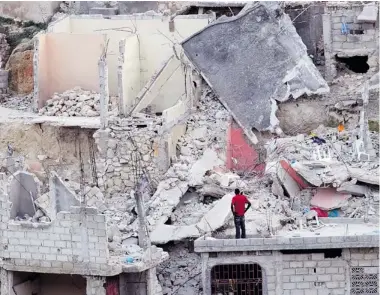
(238, 210)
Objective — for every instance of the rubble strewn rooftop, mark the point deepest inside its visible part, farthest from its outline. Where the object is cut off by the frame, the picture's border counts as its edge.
(127, 178)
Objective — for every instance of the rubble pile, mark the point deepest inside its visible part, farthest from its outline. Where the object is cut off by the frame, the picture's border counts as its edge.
(73, 103)
(324, 170)
(38, 217)
(4, 50)
(206, 129)
(22, 103)
(181, 274)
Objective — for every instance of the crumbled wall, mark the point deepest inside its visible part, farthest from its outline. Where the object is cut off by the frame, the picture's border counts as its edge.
(125, 150)
(351, 44)
(75, 242)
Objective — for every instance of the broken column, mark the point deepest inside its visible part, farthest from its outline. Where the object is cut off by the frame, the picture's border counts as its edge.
(6, 282)
(95, 285)
(104, 92)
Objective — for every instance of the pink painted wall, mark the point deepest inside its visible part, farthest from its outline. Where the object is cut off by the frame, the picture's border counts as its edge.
(239, 148)
(66, 61)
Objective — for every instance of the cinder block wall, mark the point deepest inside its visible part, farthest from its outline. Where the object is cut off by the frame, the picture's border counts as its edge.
(351, 44)
(75, 242)
(313, 274)
(301, 274)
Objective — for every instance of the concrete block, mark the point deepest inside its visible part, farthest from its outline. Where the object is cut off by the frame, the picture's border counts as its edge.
(364, 263)
(332, 270)
(295, 279)
(310, 264)
(231, 242)
(297, 292)
(310, 278)
(256, 242)
(304, 285)
(339, 38)
(317, 256)
(296, 241)
(289, 286)
(371, 256)
(285, 279)
(357, 256)
(325, 263)
(288, 257)
(338, 277)
(295, 264)
(351, 238)
(347, 45)
(324, 278)
(289, 272)
(318, 270)
(302, 271)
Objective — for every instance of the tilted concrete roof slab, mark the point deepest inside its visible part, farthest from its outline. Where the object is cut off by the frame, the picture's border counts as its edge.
(253, 59)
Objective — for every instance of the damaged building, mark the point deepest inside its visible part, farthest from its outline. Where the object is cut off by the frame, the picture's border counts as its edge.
(117, 171)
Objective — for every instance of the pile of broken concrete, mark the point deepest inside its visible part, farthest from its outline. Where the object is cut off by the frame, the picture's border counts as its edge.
(73, 103)
(323, 172)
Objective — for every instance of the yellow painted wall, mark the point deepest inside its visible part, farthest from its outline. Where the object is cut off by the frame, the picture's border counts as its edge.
(68, 60)
(131, 71)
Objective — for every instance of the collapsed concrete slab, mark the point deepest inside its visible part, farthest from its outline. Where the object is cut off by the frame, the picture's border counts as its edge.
(208, 161)
(290, 185)
(329, 199)
(364, 176)
(354, 189)
(211, 221)
(251, 60)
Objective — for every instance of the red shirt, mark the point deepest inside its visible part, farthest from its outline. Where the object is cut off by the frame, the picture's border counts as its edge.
(239, 201)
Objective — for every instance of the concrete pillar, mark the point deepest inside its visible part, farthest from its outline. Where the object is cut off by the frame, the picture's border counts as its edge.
(6, 282)
(36, 91)
(142, 188)
(104, 92)
(152, 284)
(327, 43)
(121, 106)
(206, 284)
(95, 285)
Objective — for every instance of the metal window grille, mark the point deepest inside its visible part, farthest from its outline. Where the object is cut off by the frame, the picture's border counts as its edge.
(237, 279)
(364, 280)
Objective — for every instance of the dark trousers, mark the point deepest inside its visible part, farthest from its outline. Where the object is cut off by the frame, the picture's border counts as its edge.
(240, 224)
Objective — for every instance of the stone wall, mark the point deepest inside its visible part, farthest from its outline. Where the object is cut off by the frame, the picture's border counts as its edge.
(354, 43)
(126, 149)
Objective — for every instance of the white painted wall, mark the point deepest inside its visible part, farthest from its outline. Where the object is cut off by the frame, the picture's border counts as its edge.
(130, 71)
(154, 37)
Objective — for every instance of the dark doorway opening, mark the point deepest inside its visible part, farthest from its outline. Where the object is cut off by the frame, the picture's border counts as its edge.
(237, 279)
(357, 64)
